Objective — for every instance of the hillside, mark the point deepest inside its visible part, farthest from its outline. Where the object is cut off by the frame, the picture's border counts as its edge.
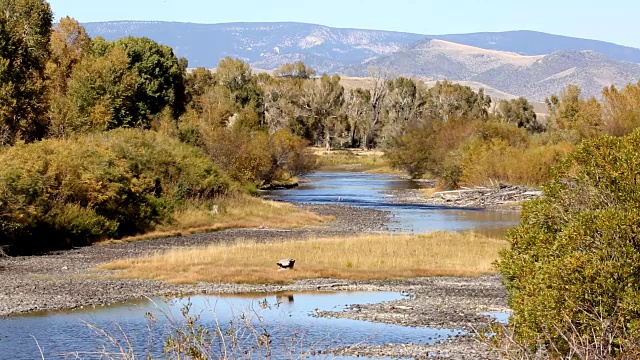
(534, 77)
(263, 45)
(516, 63)
(273, 43)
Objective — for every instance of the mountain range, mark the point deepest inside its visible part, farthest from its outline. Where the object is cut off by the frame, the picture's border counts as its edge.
(517, 63)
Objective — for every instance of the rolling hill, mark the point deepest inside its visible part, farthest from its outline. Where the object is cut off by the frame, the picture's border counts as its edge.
(515, 63)
(534, 77)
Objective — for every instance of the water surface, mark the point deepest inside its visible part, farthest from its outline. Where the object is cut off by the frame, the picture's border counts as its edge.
(373, 191)
(287, 318)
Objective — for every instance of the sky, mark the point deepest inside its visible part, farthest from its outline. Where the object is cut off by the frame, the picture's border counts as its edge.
(613, 20)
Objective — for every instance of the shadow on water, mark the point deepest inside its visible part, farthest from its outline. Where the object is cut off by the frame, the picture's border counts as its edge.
(287, 317)
(376, 192)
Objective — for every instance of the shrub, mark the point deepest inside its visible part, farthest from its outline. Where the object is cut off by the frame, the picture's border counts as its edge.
(573, 271)
(431, 148)
(503, 153)
(61, 193)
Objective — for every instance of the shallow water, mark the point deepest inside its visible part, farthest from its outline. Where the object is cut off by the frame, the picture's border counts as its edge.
(294, 332)
(375, 192)
(288, 319)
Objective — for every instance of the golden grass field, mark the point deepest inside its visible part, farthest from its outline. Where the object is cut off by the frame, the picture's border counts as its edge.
(235, 211)
(370, 161)
(362, 257)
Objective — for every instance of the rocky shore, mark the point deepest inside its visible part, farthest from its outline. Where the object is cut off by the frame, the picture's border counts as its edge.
(68, 280)
(499, 197)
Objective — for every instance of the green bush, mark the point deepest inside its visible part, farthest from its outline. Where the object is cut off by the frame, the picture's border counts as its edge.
(573, 271)
(61, 193)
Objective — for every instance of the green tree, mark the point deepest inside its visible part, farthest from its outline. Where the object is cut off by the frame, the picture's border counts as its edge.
(197, 82)
(573, 269)
(101, 95)
(236, 76)
(447, 101)
(378, 91)
(160, 76)
(25, 28)
(358, 112)
(520, 112)
(405, 104)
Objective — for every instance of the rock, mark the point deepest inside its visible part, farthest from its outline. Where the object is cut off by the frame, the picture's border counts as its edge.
(286, 264)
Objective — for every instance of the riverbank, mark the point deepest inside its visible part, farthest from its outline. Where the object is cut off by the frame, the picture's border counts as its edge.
(68, 280)
(495, 198)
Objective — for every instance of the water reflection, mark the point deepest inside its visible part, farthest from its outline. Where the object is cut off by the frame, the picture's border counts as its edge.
(376, 192)
(286, 317)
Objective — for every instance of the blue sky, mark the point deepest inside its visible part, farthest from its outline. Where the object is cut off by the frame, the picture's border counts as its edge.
(613, 20)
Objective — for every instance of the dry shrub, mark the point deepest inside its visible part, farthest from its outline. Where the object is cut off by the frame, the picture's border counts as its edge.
(496, 161)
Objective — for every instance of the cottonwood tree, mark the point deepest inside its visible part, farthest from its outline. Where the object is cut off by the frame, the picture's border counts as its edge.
(102, 95)
(69, 44)
(405, 104)
(235, 75)
(520, 112)
(621, 109)
(377, 106)
(297, 70)
(447, 101)
(570, 112)
(197, 82)
(358, 111)
(321, 105)
(25, 29)
(160, 76)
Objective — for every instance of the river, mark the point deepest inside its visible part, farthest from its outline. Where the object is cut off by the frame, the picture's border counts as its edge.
(376, 192)
(288, 318)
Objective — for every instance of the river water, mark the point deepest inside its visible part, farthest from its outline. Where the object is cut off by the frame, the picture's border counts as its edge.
(376, 192)
(288, 318)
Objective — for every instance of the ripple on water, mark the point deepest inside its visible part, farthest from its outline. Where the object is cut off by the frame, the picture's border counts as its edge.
(372, 191)
(288, 318)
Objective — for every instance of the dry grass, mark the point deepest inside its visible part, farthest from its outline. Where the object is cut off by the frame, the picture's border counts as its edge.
(237, 211)
(371, 161)
(379, 256)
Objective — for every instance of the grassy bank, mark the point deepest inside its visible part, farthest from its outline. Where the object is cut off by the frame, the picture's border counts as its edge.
(230, 212)
(380, 256)
(371, 161)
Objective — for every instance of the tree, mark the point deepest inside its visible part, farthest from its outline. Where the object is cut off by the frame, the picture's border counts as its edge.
(376, 104)
(160, 76)
(447, 101)
(405, 104)
(69, 44)
(570, 112)
(297, 70)
(358, 112)
(621, 109)
(102, 95)
(25, 28)
(573, 268)
(321, 105)
(236, 76)
(197, 82)
(520, 112)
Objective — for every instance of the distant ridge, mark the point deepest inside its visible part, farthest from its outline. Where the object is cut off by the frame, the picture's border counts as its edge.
(520, 63)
